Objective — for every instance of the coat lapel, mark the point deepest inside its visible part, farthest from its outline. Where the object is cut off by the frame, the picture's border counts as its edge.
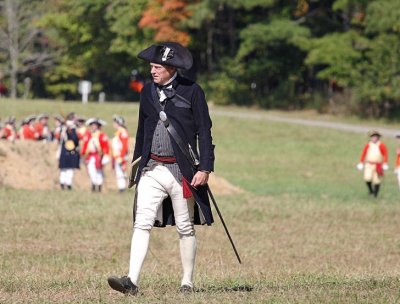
(154, 99)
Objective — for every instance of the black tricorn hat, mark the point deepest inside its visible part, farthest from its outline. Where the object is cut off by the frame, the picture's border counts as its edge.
(168, 53)
(374, 133)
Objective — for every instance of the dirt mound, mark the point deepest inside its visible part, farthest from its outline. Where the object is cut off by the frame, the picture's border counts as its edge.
(33, 165)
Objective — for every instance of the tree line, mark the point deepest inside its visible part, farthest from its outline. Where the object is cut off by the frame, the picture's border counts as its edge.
(336, 55)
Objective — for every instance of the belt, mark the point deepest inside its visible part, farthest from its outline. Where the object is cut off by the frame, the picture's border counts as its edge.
(163, 159)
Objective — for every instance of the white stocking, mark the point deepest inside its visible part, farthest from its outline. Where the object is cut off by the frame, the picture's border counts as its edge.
(139, 246)
(188, 255)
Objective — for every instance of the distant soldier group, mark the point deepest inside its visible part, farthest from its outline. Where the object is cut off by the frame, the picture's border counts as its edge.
(79, 139)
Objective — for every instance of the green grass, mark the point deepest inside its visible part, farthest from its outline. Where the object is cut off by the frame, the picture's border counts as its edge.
(305, 228)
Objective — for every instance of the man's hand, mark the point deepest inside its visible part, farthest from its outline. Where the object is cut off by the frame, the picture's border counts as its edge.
(385, 166)
(199, 179)
(360, 166)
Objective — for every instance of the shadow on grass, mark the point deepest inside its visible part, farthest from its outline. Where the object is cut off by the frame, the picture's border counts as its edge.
(236, 288)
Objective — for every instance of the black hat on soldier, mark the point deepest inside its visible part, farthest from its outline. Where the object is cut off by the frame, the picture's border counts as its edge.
(43, 115)
(59, 118)
(71, 116)
(96, 121)
(30, 118)
(374, 133)
(168, 53)
(119, 120)
(10, 120)
(81, 119)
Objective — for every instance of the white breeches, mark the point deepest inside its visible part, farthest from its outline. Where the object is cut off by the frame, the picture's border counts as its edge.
(96, 175)
(66, 176)
(154, 186)
(370, 174)
(120, 176)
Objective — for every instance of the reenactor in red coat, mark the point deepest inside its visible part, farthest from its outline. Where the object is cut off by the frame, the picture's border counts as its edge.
(42, 127)
(27, 130)
(81, 128)
(374, 160)
(59, 122)
(397, 164)
(119, 146)
(95, 150)
(8, 132)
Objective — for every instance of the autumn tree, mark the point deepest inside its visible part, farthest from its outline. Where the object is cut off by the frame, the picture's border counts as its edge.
(165, 17)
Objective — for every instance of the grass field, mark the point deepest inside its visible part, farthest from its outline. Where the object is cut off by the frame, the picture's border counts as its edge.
(305, 227)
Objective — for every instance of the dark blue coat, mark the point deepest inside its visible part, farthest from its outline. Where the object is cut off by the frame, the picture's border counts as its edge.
(69, 159)
(193, 124)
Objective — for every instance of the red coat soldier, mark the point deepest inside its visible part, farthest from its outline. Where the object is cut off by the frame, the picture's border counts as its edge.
(8, 132)
(119, 147)
(42, 127)
(374, 160)
(27, 130)
(95, 150)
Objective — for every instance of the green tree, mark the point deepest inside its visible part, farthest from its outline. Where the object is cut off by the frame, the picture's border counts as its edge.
(22, 47)
(95, 39)
(363, 58)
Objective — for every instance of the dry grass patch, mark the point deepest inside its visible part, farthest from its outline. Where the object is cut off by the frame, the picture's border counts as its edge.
(59, 247)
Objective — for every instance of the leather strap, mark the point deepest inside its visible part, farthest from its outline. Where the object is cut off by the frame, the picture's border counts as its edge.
(178, 140)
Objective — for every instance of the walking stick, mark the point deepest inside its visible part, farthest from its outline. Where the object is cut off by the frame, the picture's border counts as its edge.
(223, 223)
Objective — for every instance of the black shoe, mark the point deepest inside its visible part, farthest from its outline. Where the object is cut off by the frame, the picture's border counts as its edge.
(99, 188)
(123, 284)
(93, 188)
(69, 187)
(186, 289)
(62, 186)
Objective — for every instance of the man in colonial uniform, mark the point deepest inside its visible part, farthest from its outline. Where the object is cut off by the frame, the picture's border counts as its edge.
(95, 149)
(8, 132)
(119, 147)
(27, 130)
(42, 127)
(81, 128)
(68, 154)
(397, 165)
(170, 190)
(59, 122)
(374, 160)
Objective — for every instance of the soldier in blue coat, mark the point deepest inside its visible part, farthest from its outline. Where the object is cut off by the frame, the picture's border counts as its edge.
(68, 154)
(170, 190)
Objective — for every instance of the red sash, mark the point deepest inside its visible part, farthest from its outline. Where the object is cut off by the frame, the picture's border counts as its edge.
(97, 159)
(378, 167)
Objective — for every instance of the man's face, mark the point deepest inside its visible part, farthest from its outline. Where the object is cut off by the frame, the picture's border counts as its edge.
(375, 139)
(94, 127)
(161, 73)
